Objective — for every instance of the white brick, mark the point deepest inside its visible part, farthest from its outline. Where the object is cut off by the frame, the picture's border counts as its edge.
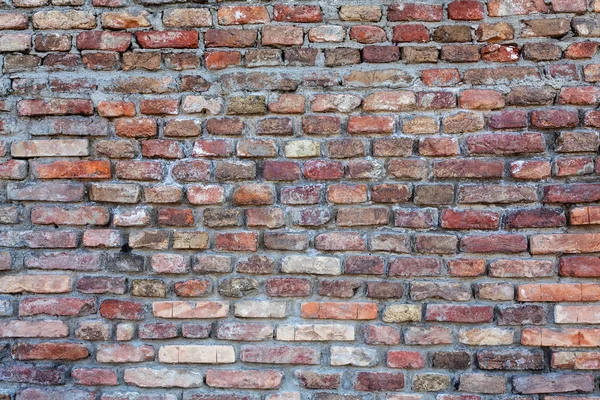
(315, 333)
(260, 309)
(50, 148)
(196, 354)
(311, 265)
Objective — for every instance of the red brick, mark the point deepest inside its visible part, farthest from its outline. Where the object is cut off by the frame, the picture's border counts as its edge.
(386, 335)
(49, 351)
(379, 381)
(552, 119)
(535, 218)
(323, 170)
(288, 104)
(492, 193)
(175, 217)
(339, 241)
(438, 147)
(466, 10)
(56, 307)
(270, 218)
(322, 125)
(468, 168)
(417, 33)
(316, 380)
(121, 309)
(414, 12)
(390, 193)
(206, 194)
(297, 195)
(297, 13)
(436, 100)
(247, 379)
(574, 166)
(281, 171)
(169, 149)
(159, 107)
(116, 109)
(253, 194)
(440, 77)
(500, 53)
(346, 194)
(415, 267)
(282, 36)
(222, 59)
(564, 71)
(501, 144)
(103, 40)
(572, 193)
(40, 107)
(94, 377)
(241, 15)
(511, 119)
(576, 6)
(368, 34)
(32, 375)
(408, 168)
(384, 290)
(288, 287)
(230, 38)
(530, 169)
(580, 266)
(193, 288)
(280, 355)
(582, 96)
(191, 171)
(501, 243)
(72, 170)
(460, 53)
(119, 353)
(13, 169)
(459, 313)
(285, 241)
(466, 267)
(136, 128)
(139, 170)
(380, 54)
(581, 50)
(478, 99)
(415, 218)
(168, 39)
(367, 125)
(241, 241)
(470, 219)
(405, 359)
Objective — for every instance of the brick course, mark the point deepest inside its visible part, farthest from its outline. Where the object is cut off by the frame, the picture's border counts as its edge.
(299, 200)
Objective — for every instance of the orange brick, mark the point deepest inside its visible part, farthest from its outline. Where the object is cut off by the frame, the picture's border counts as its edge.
(571, 243)
(555, 292)
(589, 215)
(560, 338)
(352, 311)
(80, 169)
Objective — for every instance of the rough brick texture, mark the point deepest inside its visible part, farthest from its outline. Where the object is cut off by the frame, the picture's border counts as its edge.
(299, 200)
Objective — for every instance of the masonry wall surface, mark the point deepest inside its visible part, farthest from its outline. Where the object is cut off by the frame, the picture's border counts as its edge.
(303, 200)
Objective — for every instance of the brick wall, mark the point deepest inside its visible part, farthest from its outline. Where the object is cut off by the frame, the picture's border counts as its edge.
(334, 200)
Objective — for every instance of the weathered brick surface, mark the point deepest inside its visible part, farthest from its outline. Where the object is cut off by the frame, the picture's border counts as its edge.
(278, 200)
